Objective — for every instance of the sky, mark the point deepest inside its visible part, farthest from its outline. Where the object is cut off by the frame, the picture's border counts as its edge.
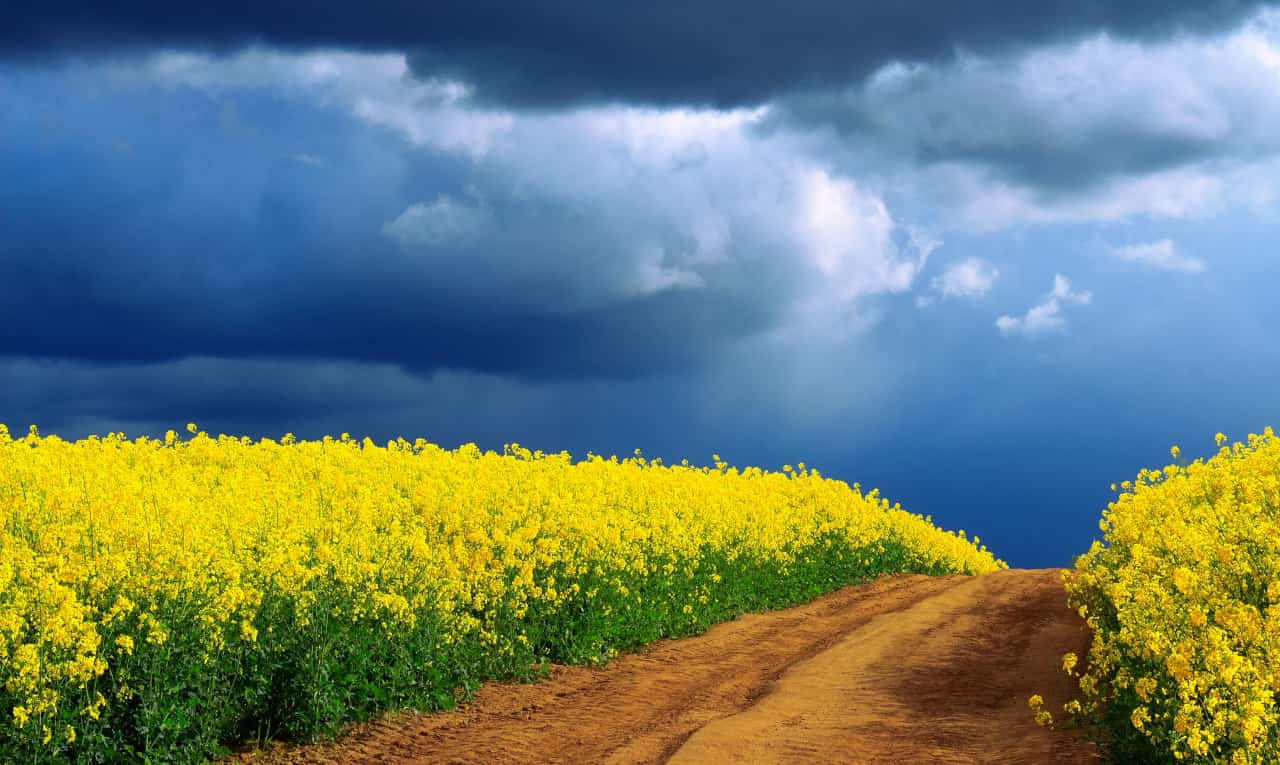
(988, 259)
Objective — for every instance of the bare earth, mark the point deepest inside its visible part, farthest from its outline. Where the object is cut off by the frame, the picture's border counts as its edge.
(906, 669)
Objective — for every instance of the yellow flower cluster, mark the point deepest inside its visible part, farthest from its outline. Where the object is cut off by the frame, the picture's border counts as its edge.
(163, 582)
(1184, 604)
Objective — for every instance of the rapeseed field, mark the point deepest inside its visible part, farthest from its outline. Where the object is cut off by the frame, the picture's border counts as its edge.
(1184, 603)
(162, 598)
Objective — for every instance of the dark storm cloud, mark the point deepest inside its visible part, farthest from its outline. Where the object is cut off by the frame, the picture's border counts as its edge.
(672, 417)
(259, 227)
(716, 52)
(1012, 143)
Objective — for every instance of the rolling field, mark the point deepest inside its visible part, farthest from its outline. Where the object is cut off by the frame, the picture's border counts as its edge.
(161, 599)
(166, 600)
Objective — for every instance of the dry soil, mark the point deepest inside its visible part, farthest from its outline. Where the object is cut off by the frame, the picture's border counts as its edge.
(906, 669)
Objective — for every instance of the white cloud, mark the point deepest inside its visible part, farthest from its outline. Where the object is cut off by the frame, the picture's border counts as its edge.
(1159, 254)
(741, 210)
(617, 201)
(923, 241)
(654, 274)
(847, 235)
(1096, 130)
(974, 199)
(378, 88)
(1062, 290)
(972, 277)
(441, 223)
(1181, 129)
(740, 201)
(424, 118)
(1047, 314)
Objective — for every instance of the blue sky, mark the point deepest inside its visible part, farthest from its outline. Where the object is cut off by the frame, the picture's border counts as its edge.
(989, 264)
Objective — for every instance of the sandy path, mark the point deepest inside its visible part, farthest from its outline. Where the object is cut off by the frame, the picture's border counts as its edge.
(907, 669)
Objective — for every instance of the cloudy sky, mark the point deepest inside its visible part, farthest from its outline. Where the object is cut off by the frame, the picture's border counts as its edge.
(987, 259)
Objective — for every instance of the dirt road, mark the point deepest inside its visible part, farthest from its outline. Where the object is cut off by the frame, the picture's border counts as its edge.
(907, 669)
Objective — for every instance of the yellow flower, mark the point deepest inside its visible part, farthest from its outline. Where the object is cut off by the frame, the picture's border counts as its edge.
(140, 557)
(1139, 717)
(1182, 604)
(124, 644)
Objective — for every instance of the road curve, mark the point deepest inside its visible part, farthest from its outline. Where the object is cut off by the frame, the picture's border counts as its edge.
(906, 669)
